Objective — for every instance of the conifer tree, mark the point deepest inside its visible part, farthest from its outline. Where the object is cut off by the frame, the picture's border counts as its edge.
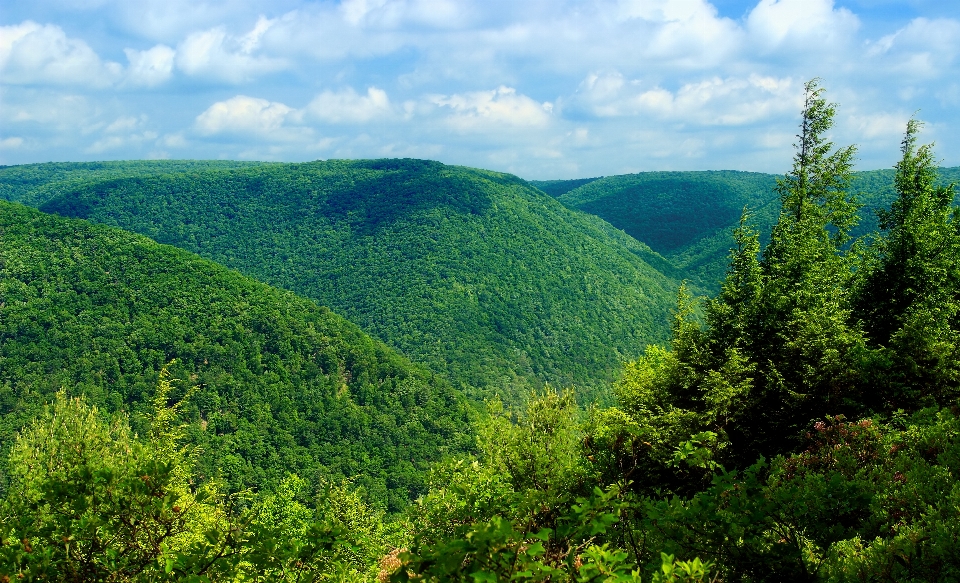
(908, 293)
(778, 349)
(800, 338)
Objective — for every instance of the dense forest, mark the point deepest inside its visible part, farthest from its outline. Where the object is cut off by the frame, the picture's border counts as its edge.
(802, 424)
(277, 384)
(689, 217)
(474, 274)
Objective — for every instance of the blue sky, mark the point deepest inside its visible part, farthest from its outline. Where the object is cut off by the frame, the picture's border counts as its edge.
(540, 88)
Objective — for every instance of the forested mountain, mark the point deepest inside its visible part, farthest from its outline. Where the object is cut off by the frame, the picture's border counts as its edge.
(473, 273)
(689, 217)
(34, 184)
(557, 188)
(803, 424)
(281, 384)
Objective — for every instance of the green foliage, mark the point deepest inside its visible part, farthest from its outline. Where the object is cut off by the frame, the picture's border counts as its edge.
(690, 217)
(524, 510)
(908, 292)
(475, 274)
(282, 385)
(89, 501)
(780, 345)
(863, 502)
(35, 184)
(685, 216)
(556, 188)
(808, 327)
(77, 483)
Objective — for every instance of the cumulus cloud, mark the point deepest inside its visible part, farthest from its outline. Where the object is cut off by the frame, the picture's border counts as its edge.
(116, 142)
(395, 13)
(12, 143)
(349, 107)
(31, 53)
(493, 110)
(688, 31)
(923, 48)
(213, 54)
(599, 85)
(878, 125)
(800, 26)
(50, 111)
(151, 67)
(249, 115)
(714, 101)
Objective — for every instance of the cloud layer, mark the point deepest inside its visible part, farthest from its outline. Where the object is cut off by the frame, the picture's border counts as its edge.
(544, 89)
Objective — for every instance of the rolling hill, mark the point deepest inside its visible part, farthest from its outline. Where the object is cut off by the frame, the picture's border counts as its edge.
(283, 385)
(475, 274)
(34, 184)
(688, 217)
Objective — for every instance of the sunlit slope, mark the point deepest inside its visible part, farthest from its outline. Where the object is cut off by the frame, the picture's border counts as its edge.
(474, 273)
(689, 217)
(283, 385)
(35, 184)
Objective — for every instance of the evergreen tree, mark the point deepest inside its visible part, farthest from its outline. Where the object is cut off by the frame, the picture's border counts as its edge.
(908, 294)
(778, 350)
(799, 336)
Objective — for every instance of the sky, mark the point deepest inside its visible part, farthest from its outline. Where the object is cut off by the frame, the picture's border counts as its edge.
(540, 88)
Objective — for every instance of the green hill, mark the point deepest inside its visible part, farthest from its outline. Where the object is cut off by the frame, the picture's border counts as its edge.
(283, 385)
(557, 188)
(688, 217)
(34, 184)
(473, 273)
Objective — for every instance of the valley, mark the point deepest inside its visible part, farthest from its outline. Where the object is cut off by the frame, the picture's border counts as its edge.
(340, 365)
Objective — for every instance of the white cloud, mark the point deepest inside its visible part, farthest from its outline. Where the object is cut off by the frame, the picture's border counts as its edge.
(251, 116)
(348, 107)
(52, 111)
(11, 143)
(31, 53)
(176, 140)
(923, 48)
(125, 124)
(214, 54)
(714, 101)
(801, 26)
(878, 125)
(116, 142)
(395, 13)
(150, 67)
(690, 32)
(493, 110)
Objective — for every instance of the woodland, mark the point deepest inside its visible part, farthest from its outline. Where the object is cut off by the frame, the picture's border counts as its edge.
(399, 370)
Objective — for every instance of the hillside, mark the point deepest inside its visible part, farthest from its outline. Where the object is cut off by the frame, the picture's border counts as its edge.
(34, 184)
(473, 273)
(283, 385)
(688, 217)
(557, 188)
